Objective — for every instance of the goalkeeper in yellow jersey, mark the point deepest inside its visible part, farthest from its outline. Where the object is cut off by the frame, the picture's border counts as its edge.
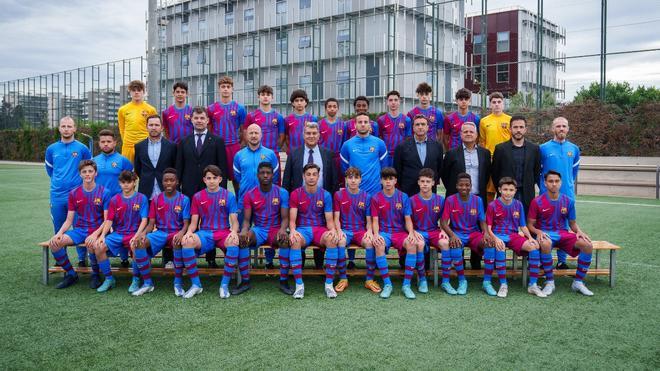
(494, 129)
(132, 119)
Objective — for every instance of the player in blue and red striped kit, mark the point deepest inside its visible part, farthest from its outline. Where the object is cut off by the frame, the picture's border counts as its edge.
(176, 118)
(465, 212)
(361, 106)
(311, 222)
(393, 227)
(505, 218)
(427, 211)
(332, 130)
(169, 213)
(270, 121)
(87, 207)
(268, 206)
(394, 126)
(214, 209)
(454, 121)
(551, 214)
(296, 121)
(433, 114)
(127, 216)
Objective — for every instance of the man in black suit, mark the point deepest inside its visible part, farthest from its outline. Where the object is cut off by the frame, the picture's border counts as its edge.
(416, 153)
(519, 159)
(311, 152)
(474, 160)
(194, 153)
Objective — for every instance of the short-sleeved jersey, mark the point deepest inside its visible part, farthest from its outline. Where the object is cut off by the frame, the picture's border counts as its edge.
(332, 134)
(214, 208)
(367, 154)
(89, 207)
(464, 216)
(494, 130)
(266, 207)
(132, 121)
(61, 162)
(294, 125)
(393, 130)
(225, 120)
(552, 215)
(391, 211)
(452, 127)
(353, 209)
(108, 169)
(563, 158)
(176, 122)
(170, 213)
(505, 219)
(246, 163)
(351, 129)
(271, 123)
(127, 213)
(426, 213)
(433, 114)
(311, 206)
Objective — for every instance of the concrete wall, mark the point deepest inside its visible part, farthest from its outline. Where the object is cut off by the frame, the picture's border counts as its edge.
(618, 176)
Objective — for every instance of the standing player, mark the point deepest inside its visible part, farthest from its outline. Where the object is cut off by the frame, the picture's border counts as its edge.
(132, 119)
(393, 126)
(465, 212)
(333, 132)
(226, 118)
(506, 218)
(214, 210)
(62, 160)
(87, 206)
(453, 121)
(294, 124)
(311, 222)
(433, 114)
(493, 130)
(169, 212)
(110, 163)
(176, 118)
(361, 106)
(127, 216)
(550, 216)
(270, 121)
(268, 206)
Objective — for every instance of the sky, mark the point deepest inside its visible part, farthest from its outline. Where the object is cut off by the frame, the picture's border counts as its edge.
(40, 37)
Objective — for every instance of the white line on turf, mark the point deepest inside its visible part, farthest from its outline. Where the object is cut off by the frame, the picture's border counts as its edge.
(616, 203)
(645, 265)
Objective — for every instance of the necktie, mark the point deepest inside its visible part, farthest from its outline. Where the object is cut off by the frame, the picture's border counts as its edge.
(199, 143)
(310, 158)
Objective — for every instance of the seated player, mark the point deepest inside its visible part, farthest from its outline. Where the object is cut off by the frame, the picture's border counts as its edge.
(352, 211)
(393, 227)
(127, 216)
(214, 209)
(505, 217)
(311, 222)
(465, 212)
(87, 207)
(169, 212)
(427, 210)
(268, 206)
(551, 214)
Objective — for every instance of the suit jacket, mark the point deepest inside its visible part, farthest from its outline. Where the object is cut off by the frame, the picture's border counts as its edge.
(503, 166)
(454, 164)
(293, 170)
(408, 164)
(189, 164)
(146, 170)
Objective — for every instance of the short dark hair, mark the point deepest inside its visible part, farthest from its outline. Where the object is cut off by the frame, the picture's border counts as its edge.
(393, 92)
(299, 93)
(426, 172)
(84, 163)
(423, 88)
(463, 176)
(495, 95)
(518, 118)
(311, 166)
(265, 89)
(263, 165)
(180, 85)
(420, 116)
(213, 170)
(463, 93)
(551, 172)
(361, 114)
(127, 176)
(331, 100)
(155, 117)
(353, 172)
(107, 133)
(170, 170)
(360, 98)
(388, 172)
(200, 109)
(507, 180)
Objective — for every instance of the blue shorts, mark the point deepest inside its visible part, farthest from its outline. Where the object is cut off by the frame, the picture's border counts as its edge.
(395, 240)
(118, 243)
(266, 236)
(210, 239)
(312, 235)
(77, 235)
(158, 240)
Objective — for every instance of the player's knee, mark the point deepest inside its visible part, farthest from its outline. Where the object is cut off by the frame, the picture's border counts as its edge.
(232, 241)
(380, 250)
(585, 246)
(443, 244)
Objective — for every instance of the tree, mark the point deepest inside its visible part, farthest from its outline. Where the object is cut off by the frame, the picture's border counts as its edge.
(521, 101)
(620, 94)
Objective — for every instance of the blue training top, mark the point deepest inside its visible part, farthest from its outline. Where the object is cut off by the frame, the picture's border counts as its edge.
(62, 167)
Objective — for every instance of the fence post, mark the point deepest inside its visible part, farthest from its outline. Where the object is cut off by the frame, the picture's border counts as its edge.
(657, 182)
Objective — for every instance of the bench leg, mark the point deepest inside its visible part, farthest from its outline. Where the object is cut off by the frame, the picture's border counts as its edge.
(596, 262)
(44, 270)
(514, 258)
(525, 271)
(612, 267)
(434, 266)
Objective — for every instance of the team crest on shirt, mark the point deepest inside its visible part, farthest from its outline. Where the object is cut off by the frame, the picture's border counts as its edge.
(276, 201)
(432, 118)
(398, 206)
(564, 210)
(274, 121)
(340, 131)
(473, 211)
(232, 112)
(114, 164)
(402, 125)
(516, 214)
(263, 157)
(145, 113)
(361, 205)
(436, 209)
(319, 203)
(74, 154)
(371, 149)
(136, 207)
(222, 202)
(186, 116)
(569, 153)
(97, 201)
(504, 124)
(177, 209)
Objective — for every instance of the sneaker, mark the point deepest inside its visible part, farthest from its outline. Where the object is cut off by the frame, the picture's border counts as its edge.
(270, 265)
(143, 290)
(224, 292)
(192, 291)
(169, 265)
(300, 291)
(67, 281)
(448, 288)
(243, 287)
(423, 287)
(108, 284)
(124, 263)
(549, 288)
(341, 285)
(488, 288)
(462, 287)
(179, 291)
(503, 291)
(285, 288)
(330, 291)
(408, 292)
(135, 285)
(562, 265)
(351, 265)
(373, 286)
(578, 286)
(536, 290)
(387, 291)
(82, 264)
(94, 281)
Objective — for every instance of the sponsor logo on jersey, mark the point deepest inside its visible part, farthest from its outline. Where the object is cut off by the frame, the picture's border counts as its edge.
(276, 201)
(473, 211)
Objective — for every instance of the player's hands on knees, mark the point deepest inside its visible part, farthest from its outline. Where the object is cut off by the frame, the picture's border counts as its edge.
(176, 240)
(243, 239)
(100, 243)
(379, 242)
(583, 236)
(232, 239)
(499, 244)
(542, 237)
(90, 242)
(188, 239)
(55, 241)
(455, 242)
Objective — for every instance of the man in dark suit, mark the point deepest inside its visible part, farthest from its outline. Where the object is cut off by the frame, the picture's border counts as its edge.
(194, 153)
(519, 159)
(474, 160)
(416, 153)
(311, 153)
